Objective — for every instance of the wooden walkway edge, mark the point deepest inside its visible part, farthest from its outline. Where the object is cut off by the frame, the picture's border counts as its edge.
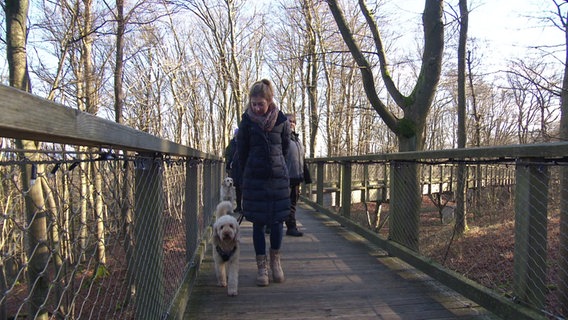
(331, 273)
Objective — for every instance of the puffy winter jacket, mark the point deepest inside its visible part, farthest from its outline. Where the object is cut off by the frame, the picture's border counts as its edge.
(295, 160)
(265, 181)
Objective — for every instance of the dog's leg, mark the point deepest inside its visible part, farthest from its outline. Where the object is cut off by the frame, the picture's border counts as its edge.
(233, 273)
(222, 274)
(220, 270)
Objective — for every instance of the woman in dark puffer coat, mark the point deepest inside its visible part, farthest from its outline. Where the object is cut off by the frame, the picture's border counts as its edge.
(262, 143)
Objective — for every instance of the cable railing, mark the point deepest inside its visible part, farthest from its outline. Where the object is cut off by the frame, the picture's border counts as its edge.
(490, 223)
(99, 221)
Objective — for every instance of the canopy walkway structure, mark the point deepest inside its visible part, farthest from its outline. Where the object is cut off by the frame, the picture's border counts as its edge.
(331, 273)
(102, 221)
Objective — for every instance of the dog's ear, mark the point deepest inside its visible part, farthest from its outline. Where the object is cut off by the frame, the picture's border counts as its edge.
(216, 231)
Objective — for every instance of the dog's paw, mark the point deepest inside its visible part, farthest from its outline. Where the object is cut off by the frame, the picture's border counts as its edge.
(232, 292)
(221, 284)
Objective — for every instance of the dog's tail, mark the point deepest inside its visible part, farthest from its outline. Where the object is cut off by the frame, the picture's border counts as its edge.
(224, 208)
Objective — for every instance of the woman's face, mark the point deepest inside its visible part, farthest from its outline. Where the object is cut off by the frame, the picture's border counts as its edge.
(259, 105)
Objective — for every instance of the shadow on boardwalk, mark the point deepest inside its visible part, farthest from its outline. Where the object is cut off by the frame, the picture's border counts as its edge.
(331, 273)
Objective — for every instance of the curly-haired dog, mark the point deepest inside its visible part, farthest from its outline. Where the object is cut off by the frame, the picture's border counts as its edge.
(226, 248)
(228, 192)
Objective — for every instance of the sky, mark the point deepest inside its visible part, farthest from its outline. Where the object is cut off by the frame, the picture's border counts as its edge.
(503, 28)
(512, 26)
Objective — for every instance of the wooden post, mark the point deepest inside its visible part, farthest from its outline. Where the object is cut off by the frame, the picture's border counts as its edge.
(208, 193)
(385, 192)
(319, 183)
(405, 201)
(148, 251)
(365, 191)
(346, 189)
(191, 208)
(306, 189)
(337, 184)
(531, 201)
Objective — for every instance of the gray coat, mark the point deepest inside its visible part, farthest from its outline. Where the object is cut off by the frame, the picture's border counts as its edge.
(295, 160)
(265, 182)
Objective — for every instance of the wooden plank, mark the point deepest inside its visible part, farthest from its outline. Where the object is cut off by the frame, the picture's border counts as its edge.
(331, 273)
(25, 116)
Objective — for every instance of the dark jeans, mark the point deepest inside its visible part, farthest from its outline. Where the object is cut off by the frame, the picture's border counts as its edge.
(294, 195)
(239, 195)
(259, 241)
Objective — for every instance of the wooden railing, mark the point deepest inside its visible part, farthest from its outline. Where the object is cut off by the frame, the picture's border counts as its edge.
(516, 185)
(143, 262)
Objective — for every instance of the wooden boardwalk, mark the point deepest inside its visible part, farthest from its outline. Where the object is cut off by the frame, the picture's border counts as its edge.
(331, 273)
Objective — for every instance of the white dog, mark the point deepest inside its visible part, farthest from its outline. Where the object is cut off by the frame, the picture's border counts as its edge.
(226, 248)
(228, 192)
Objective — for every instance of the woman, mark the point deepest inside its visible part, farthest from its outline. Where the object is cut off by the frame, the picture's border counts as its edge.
(298, 173)
(262, 143)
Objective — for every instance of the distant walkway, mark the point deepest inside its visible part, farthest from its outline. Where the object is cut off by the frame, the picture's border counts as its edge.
(331, 273)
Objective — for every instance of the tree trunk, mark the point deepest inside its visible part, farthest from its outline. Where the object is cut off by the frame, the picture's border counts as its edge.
(119, 62)
(37, 251)
(461, 219)
(37, 239)
(405, 202)
(236, 89)
(83, 198)
(55, 244)
(415, 107)
(311, 74)
(87, 59)
(99, 216)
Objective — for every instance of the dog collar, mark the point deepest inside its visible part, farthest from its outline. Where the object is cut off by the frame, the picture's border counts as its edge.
(225, 255)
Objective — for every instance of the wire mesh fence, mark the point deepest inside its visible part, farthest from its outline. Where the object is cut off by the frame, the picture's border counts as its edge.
(90, 233)
(505, 229)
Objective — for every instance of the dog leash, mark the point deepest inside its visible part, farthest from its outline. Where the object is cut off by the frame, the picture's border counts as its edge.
(240, 218)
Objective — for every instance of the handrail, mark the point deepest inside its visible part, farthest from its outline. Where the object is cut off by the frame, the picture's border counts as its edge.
(150, 201)
(513, 151)
(25, 116)
(531, 172)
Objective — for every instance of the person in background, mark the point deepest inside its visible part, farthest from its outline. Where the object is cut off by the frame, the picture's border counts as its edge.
(262, 143)
(232, 168)
(298, 171)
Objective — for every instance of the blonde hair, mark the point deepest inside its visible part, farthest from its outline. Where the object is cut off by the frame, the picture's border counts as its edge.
(262, 89)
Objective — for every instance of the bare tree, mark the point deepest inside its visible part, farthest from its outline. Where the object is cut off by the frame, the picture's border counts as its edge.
(37, 250)
(410, 128)
(119, 61)
(221, 29)
(311, 74)
(535, 93)
(461, 218)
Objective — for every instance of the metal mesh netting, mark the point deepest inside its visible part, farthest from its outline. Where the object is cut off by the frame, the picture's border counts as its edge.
(511, 239)
(108, 241)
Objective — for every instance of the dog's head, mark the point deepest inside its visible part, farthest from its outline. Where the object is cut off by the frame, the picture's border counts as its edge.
(228, 182)
(226, 229)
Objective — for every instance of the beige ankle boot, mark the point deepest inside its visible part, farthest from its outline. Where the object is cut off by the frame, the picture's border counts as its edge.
(262, 275)
(275, 266)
